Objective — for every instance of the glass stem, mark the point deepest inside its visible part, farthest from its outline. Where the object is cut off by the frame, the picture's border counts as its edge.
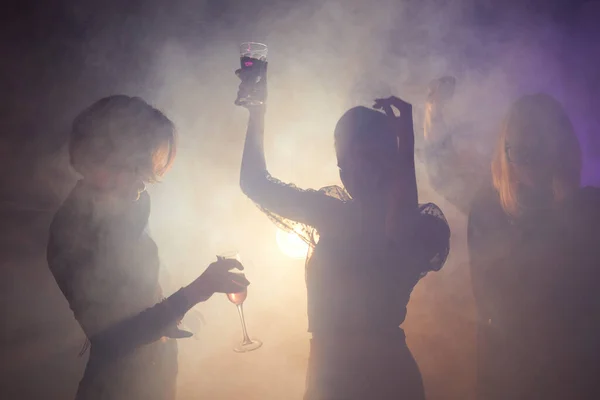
(240, 308)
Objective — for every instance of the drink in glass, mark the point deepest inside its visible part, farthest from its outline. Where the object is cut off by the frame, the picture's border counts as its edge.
(238, 299)
(253, 72)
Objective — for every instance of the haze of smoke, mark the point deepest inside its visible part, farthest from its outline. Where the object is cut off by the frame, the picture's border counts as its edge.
(324, 58)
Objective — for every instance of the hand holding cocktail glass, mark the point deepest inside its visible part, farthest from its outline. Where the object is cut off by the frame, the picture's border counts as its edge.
(238, 297)
(219, 277)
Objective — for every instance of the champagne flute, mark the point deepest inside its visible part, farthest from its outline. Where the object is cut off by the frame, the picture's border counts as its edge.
(238, 299)
(253, 60)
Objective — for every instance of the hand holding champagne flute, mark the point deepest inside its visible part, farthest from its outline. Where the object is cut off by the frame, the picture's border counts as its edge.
(238, 299)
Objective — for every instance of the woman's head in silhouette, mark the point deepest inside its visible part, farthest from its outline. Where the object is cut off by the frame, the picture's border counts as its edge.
(120, 143)
(366, 149)
(537, 157)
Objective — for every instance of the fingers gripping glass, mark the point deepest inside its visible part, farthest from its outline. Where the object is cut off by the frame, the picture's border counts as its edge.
(238, 299)
(253, 73)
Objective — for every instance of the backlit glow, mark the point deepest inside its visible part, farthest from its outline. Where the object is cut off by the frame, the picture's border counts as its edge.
(291, 244)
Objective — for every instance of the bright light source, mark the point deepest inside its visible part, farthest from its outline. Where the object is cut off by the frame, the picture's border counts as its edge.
(291, 244)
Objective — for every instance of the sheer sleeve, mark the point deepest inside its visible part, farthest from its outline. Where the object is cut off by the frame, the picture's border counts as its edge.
(293, 209)
(68, 260)
(146, 327)
(296, 210)
(432, 238)
(455, 176)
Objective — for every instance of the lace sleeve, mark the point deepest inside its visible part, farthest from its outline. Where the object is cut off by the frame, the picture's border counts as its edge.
(297, 210)
(146, 327)
(433, 235)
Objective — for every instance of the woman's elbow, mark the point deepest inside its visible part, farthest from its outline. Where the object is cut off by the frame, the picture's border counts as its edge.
(251, 186)
(246, 185)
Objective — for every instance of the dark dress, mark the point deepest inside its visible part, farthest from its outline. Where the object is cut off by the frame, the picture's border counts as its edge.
(534, 281)
(358, 288)
(106, 265)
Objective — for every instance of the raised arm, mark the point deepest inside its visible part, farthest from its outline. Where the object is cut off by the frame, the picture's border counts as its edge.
(455, 175)
(309, 207)
(403, 200)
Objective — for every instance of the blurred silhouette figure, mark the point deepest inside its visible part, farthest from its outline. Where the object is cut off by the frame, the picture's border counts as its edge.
(107, 265)
(534, 257)
(370, 243)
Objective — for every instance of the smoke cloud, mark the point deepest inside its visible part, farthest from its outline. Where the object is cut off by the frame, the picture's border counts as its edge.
(324, 57)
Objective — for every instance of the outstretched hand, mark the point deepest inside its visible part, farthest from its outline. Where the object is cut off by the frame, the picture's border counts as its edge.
(441, 90)
(218, 278)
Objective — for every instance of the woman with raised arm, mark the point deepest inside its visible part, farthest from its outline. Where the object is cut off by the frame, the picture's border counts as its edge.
(533, 246)
(106, 264)
(371, 242)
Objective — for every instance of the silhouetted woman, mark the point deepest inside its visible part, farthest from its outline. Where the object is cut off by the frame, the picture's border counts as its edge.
(105, 262)
(534, 255)
(369, 248)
